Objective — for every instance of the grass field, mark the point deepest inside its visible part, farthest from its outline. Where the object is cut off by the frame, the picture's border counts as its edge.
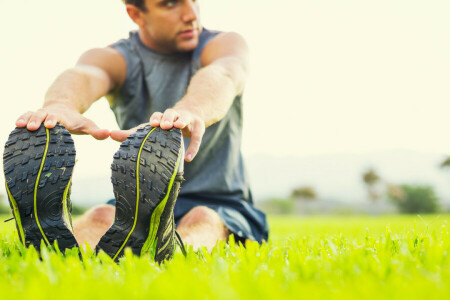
(389, 257)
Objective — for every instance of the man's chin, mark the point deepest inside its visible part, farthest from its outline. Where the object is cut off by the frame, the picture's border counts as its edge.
(187, 46)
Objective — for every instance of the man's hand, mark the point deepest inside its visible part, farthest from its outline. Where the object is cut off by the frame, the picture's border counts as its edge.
(190, 124)
(70, 118)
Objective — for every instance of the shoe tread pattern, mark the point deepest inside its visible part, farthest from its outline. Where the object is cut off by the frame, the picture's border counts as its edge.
(157, 163)
(22, 159)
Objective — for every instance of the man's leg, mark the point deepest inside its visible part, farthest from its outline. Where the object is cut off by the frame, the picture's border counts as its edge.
(202, 226)
(93, 224)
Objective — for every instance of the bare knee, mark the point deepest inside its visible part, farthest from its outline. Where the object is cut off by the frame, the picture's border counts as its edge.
(201, 215)
(102, 214)
(202, 226)
(93, 224)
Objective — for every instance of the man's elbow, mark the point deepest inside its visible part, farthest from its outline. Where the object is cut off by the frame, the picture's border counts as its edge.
(235, 71)
(93, 75)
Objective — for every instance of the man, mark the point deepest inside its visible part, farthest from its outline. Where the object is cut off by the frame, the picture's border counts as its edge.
(172, 73)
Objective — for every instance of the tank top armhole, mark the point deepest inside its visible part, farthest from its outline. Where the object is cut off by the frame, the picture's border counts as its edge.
(124, 93)
(205, 37)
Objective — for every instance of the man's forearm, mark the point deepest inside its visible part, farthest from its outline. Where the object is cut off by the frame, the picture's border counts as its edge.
(73, 92)
(209, 94)
(75, 88)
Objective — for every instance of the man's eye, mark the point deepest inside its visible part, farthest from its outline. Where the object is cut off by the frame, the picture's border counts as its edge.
(170, 3)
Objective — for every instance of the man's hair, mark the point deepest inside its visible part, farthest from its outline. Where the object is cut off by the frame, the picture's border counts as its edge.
(138, 3)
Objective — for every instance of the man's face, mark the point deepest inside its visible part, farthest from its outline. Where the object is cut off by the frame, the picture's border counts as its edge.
(171, 25)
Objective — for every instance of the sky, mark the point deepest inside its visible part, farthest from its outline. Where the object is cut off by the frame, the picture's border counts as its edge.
(326, 76)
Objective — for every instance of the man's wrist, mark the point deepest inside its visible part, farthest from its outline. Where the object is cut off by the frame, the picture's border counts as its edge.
(61, 103)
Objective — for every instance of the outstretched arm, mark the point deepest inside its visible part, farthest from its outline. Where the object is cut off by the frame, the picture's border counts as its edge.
(210, 93)
(97, 72)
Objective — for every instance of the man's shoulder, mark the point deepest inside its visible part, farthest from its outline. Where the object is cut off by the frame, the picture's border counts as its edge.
(220, 37)
(205, 37)
(128, 43)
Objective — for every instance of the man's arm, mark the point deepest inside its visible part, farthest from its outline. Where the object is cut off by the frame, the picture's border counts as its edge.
(210, 93)
(213, 88)
(97, 72)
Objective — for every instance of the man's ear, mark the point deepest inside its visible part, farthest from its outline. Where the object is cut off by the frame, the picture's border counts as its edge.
(135, 14)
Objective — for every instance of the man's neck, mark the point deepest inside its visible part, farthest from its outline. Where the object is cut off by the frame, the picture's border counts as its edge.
(148, 42)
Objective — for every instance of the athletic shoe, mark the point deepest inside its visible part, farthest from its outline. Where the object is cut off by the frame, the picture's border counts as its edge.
(38, 170)
(146, 177)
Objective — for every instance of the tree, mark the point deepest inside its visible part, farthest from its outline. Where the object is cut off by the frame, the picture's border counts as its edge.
(4, 208)
(446, 163)
(278, 206)
(304, 193)
(371, 179)
(78, 210)
(412, 199)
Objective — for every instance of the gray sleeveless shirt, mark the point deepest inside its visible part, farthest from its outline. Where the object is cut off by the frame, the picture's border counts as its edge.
(156, 81)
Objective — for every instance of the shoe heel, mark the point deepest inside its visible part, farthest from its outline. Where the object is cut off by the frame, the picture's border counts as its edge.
(38, 168)
(143, 172)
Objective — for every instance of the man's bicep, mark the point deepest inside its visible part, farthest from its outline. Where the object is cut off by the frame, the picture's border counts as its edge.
(226, 45)
(109, 65)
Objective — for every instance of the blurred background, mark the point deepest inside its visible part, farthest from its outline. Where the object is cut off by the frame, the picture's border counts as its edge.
(346, 108)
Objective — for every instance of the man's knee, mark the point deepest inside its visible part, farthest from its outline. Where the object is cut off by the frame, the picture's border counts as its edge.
(201, 215)
(103, 214)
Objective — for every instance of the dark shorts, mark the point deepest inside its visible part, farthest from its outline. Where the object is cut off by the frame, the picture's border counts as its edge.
(240, 217)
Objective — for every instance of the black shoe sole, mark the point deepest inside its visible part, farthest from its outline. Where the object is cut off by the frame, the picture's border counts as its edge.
(38, 168)
(153, 154)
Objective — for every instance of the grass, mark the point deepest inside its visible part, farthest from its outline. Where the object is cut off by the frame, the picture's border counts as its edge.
(391, 257)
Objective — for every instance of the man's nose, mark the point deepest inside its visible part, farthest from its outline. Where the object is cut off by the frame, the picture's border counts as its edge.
(190, 11)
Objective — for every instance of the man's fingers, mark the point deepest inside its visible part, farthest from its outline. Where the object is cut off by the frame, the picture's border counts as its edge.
(22, 121)
(180, 122)
(121, 135)
(170, 115)
(36, 119)
(91, 128)
(75, 123)
(155, 119)
(50, 121)
(100, 134)
(198, 129)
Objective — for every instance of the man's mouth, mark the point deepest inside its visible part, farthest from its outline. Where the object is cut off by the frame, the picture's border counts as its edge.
(188, 33)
